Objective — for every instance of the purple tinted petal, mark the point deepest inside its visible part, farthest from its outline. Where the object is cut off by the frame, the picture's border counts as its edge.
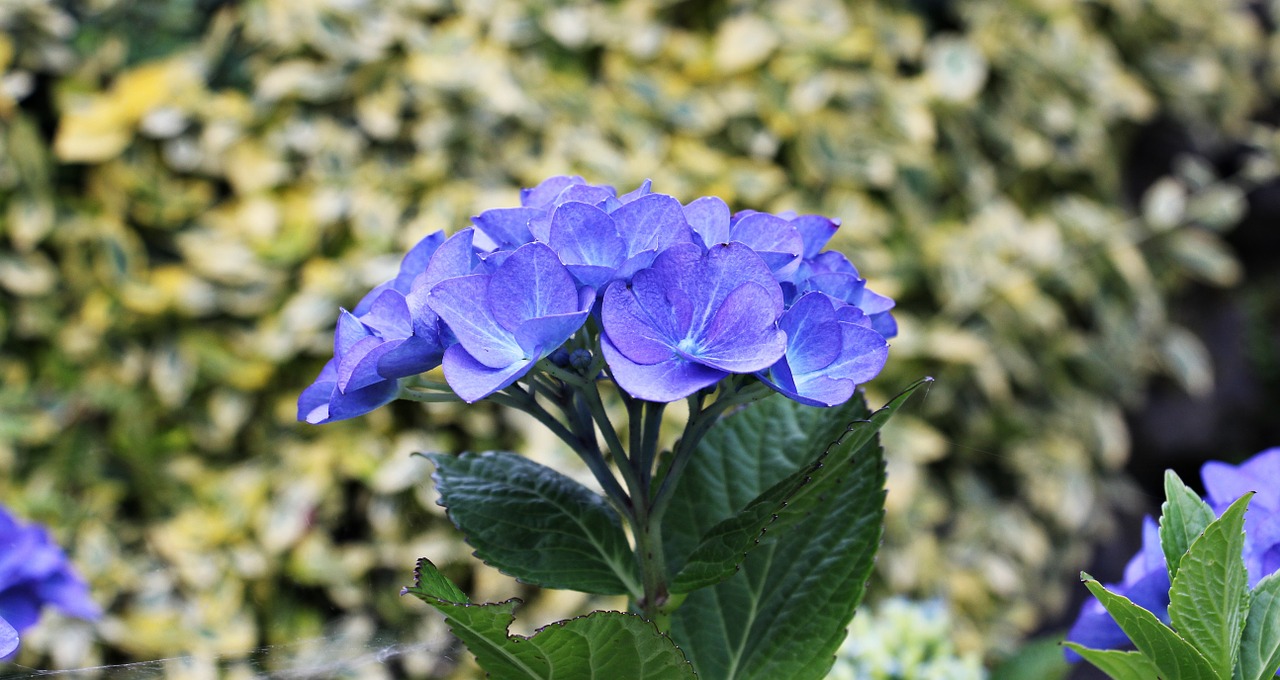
(472, 380)
(841, 286)
(652, 222)
(863, 354)
(359, 402)
(507, 227)
(643, 337)
(456, 257)
(462, 303)
(820, 390)
(359, 367)
(539, 337)
(884, 324)
(583, 234)
(743, 336)
(413, 356)
(663, 382)
(644, 189)
(366, 302)
(389, 316)
(349, 332)
(813, 334)
(8, 639)
(873, 303)
(531, 283)
(585, 193)
(709, 218)
(772, 237)
(1224, 483)
(416, 260)
(317, 395)
(542, 195)
(815, 231)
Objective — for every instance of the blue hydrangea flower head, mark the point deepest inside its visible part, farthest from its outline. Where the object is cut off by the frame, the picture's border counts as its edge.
(34, 572)
(691, 319)
(1224, 483)
(831, 349)
(392, 334)
(1146, 577)
(507, 321)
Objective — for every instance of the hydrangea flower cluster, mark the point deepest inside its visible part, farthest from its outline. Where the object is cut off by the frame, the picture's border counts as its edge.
(672, 297)
(1146, 576)
(34, 572)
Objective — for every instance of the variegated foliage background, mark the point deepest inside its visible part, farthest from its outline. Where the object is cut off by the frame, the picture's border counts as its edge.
(189, 189)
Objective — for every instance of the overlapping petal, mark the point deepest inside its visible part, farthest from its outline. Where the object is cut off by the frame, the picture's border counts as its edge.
(717, 310)
(831, 350)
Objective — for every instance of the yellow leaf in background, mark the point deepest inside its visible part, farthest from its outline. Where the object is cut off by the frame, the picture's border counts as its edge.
(744, 42)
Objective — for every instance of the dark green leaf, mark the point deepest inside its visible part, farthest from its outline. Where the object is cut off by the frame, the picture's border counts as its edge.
(1183, 517)
(842, 434)
(1174, 657)
(783, 615)
(535, 524)
(1260, 644)
(1120, 665)
(1209, 598)
(599, 645)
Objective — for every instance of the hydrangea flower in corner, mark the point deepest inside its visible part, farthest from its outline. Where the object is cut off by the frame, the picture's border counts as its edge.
(34, 572)
(1146, 578)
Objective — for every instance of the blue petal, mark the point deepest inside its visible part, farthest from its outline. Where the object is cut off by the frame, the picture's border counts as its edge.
(583, 234)
(359, 402)
(455, 257)
(709, 218)
(389, 316)
(507, 227)
(592, 194)
(532, 282)
(539, 337)
(415, 355)
(645, 188)
(542, 195)
(349, 332)
(472, 380)
(773, 238)
(742, 336)
(813, 333)
(664, 381)
(358, 368)
(313, 403)
(416, 260)
(652, 222)
(462, 303)
(815, 231)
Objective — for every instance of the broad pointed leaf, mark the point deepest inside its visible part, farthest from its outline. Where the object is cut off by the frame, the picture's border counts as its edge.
(535, 524)
(784, 613)
(1209, 598)
(1183, 517)
(1120, 665)
(599, 645)
(724, 546)
(1174, 657)
(1260, 644)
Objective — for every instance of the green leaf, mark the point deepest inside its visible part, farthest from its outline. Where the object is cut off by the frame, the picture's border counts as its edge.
(1260, 644)
(784, 613)
(535, 524)
(1174, 657)
(843, 434)
(599, 645)
(1209, 599)
(1120, 665)
(1183, 517)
